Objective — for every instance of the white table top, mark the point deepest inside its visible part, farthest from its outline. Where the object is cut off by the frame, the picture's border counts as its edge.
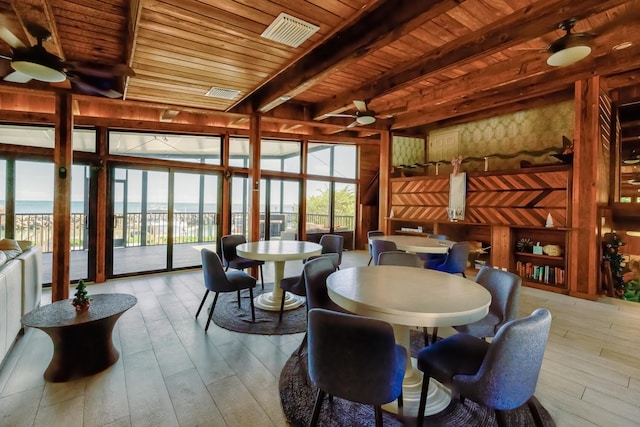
(417, 244)
(409, 296)
(278, 250)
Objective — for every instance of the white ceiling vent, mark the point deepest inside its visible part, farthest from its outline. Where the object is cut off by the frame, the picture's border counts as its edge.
(289, 30)
(222, 93)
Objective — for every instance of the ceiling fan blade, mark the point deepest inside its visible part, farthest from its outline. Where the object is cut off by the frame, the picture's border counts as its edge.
(7, 35)
(17, 77)
(340, 115)
(360, 105)
(8, 58)
(352, 125)
(94, 90)
(100, 70)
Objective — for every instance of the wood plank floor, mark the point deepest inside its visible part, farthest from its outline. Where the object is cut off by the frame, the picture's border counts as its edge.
(171, 374)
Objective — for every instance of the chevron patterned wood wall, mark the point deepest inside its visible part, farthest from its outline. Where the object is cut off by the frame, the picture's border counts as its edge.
(517, 198)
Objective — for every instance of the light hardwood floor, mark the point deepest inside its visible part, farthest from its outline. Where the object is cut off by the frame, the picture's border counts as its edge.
(172, 374)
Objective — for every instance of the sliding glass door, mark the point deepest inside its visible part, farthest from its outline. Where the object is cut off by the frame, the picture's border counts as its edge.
(279, 203)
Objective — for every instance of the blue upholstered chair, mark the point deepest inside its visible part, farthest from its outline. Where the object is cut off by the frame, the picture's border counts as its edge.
(378, 246)
(505, 299)
(217, 280)
(456, 260)
(331, 248)
(230, 257)
(354, 358)
(371, 234)
(399, 258)
(431, 260)
(501, 375)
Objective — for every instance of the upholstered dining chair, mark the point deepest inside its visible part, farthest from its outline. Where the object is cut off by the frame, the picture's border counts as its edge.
(456, 260)
(431, 260)
(399, 258)
(504, 288)
(371, 234)
(378, 246)
(293, 284)
(230, 257)
(217, 280)
(331, 248)
(355, 358)
(501, 375)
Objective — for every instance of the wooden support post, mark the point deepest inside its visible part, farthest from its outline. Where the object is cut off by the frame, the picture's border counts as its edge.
(63, 155)
(385, 168)
(225, 227)
(254, 177)
(100, 219)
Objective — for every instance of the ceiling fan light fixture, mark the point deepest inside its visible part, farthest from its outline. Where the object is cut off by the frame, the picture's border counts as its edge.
(365, 120)
(38, 64)
(563, 56)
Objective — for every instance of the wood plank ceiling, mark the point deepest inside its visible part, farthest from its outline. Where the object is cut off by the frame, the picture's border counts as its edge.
(414, 62)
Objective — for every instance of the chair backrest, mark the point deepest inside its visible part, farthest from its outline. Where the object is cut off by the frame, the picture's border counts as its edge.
(438, 236)
(378, 246)
(371, 234)
(354, 357)
(456, 260)
(399, 258)
(315, 274)
(228, 244)
(215, 279)
(332, 244)
(505, 292)
(509, 372)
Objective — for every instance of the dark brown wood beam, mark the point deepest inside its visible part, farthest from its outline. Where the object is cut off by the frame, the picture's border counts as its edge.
(389, 21)
(521, 26)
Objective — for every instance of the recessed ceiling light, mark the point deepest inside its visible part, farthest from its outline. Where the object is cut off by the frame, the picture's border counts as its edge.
(622, 45)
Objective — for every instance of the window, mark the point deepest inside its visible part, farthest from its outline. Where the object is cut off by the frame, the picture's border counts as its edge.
(281, 156)
(334, 160)
(183, 148)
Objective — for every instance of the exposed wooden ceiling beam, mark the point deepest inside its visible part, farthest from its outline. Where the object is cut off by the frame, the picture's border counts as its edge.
(379, 27)
(39, 12)
(525, 24)
(135, 10)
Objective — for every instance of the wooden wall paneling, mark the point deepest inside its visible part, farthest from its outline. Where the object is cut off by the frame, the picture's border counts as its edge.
(369, 185)
(501, 247)
(424, 198)
(583, 265)
(63, 154)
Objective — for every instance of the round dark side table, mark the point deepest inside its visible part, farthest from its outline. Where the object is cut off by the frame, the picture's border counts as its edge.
(82, 343)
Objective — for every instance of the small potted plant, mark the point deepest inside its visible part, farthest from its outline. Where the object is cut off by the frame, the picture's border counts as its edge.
(81, 300)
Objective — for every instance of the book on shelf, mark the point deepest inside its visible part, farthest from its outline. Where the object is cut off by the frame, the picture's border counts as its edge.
(540, 273)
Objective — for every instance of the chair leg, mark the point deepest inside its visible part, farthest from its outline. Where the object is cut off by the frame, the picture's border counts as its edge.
(434, 335)
(378, 411)
(370, 259)
(302, 344)
(501, 418)
(284, 293)
(206, 293)
(464, 275)
(316, 408)
(261, 275)
(423, 400)
(253, 310)
(215, 299)
(238, 298)
(535, 413)
(400, 405)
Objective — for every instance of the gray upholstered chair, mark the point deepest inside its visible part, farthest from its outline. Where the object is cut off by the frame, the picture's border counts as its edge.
(371, 234)
(331, 248)
(230, 257)
(217, 280)
(501, 375)
(431, 260)
(505, 299)
(354, 358)
(293, 284)
(399, 258)
(378, 246)
(456, 259)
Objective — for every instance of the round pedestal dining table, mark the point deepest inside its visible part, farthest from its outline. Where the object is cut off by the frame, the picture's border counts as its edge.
(278, 251)
(417, 244)
(410, 297)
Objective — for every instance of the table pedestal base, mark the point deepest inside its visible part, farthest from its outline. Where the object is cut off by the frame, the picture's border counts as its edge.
(269, 302)
(438, 397)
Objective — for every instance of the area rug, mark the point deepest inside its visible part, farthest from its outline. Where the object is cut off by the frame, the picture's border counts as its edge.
(297, 395)
(227, 315)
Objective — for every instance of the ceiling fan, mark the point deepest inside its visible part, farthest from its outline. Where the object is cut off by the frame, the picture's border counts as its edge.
(570, 48)
(363, 115)
(36, 63)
